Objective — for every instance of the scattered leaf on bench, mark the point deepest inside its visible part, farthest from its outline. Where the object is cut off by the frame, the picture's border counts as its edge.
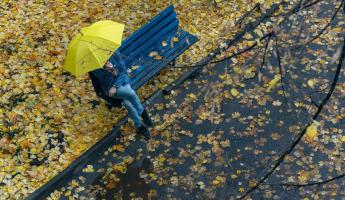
(164, 43)
(188, 42)
(175, 39)
(158, 57)
(153, 53)
(135, 67)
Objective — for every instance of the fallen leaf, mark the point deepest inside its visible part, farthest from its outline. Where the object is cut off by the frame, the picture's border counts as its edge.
(234, 92)
(273, 83)
(311, 132)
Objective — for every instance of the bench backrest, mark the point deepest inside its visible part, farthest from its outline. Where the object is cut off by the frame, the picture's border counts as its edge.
(150, 34)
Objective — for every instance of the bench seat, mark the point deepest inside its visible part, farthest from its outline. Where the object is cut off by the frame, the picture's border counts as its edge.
(153, 46)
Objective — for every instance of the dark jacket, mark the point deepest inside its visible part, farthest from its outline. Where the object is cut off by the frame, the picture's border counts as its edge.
(102, 81)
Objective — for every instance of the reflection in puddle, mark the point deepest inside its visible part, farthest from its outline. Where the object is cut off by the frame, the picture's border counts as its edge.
(130, 184)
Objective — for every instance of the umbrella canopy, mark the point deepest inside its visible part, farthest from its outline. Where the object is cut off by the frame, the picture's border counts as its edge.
(93, 46)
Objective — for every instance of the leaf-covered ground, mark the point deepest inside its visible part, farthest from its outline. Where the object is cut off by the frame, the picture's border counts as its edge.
(47, 117)
(217, 135)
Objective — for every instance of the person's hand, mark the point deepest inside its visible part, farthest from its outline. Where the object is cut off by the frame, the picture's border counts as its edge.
(112, 91)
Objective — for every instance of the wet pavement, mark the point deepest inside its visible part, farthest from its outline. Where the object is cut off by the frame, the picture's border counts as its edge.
(215, 136)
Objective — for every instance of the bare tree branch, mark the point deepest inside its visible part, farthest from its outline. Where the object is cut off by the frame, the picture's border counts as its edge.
(311, 183)
(243, 17)
(280, 68)
(264, 56)
(302, 133)
(323, 30)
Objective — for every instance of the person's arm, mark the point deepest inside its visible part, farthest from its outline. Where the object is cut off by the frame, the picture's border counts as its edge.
(120, 60)
(120, 64)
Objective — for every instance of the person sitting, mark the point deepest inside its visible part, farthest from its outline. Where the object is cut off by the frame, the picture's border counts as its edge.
(113, 84)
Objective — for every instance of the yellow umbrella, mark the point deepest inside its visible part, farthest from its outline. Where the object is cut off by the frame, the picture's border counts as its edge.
(93, 46)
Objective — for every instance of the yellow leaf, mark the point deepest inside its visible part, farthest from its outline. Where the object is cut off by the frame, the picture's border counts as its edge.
(311, 132)
(273, 82)
(337, 30)
(237, 70)
(153, 53)
(56, 90)
(303, 176)
(311, 82)
(234, 92)
(192, 96)
(25, 144)
(128, 160)
(215, 182)
(342, 139)
(158, 57)
(252, 183)
(118, 147)
(134, 67)
(248, 36)
(161, 159)
(175, 39)
(194, 29)
(120, 168)
(74, 183)
(89, 168)
(203, 115)
(68, 193)
(219, 180)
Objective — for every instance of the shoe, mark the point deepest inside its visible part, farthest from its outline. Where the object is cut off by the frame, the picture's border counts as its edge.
(144, 131)
(146, 119)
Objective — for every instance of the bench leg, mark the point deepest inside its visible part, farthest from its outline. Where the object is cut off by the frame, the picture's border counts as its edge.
(166, 92)
(173, 64)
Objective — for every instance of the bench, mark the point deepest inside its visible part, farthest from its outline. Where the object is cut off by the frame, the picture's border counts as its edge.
(153, 47)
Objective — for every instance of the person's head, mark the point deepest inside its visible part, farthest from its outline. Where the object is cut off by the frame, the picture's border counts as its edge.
(109, 67)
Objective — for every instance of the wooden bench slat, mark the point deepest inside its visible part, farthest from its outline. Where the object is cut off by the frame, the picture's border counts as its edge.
(142, 59)
(146, 60)
(155, 70)
(141, 41)
(136, 48)
(148, 26)
(159, 48)
(154, 66)
(157, 38)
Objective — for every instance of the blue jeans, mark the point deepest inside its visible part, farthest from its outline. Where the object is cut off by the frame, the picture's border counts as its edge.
(131, 102)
